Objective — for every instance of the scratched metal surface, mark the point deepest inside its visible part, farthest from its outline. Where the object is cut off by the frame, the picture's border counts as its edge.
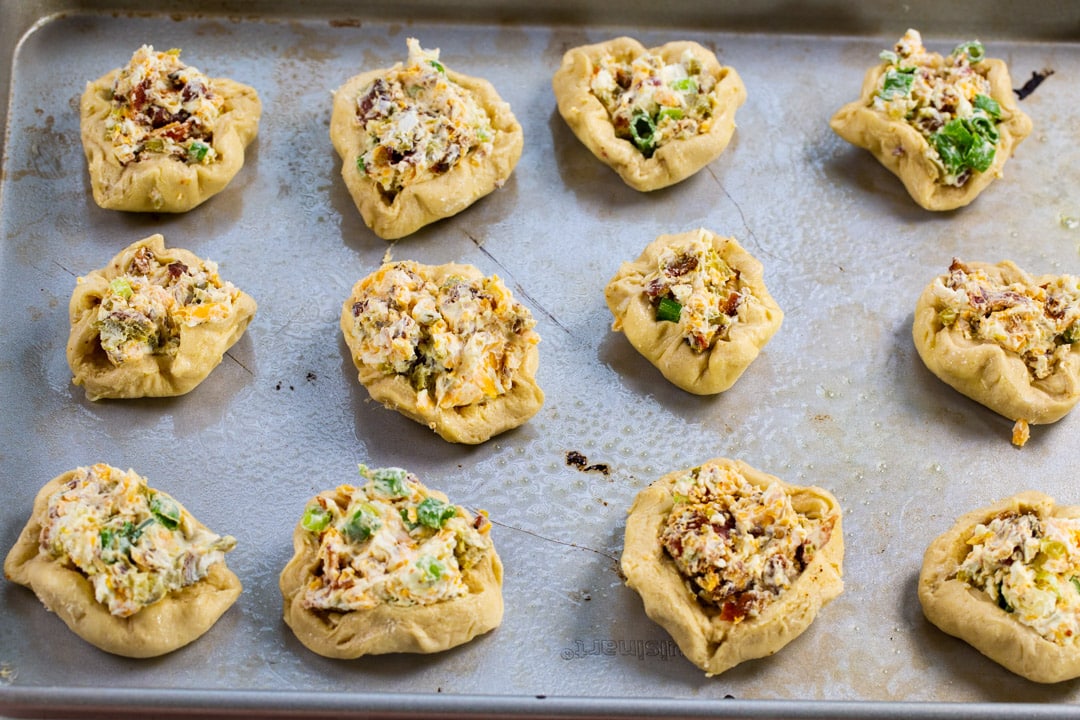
(838, 398)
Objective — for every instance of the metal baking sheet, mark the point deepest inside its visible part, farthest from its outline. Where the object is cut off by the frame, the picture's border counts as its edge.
(838, 398)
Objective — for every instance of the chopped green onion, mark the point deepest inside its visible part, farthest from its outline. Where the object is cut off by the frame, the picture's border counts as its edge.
(889, 56)
(165, 510)
(686, 85)
(155, 144)
(643, 131)
(669, 309)
(974, 50)
(432, 568)
(438, 66)
(122, 287)
(897, 82)
(988, 105)
(966, 143)
(947, 316)
(363, 523)
(434, 513)
(1072, 333)
(1075, 583)
(315, 519)
(197, 151)
(1001, 601)
(390, 481)
(673, 113)
(361, 165)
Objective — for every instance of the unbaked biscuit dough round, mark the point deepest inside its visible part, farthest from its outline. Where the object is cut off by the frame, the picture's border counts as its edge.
(705, 638)
(200, 349)
(970, 614)
(986, 371)
(178, 619)
(385, 627)
(903, 150)
(420, 203)
(472, 422)
(161, 183)
(671, 162)
(717, 367)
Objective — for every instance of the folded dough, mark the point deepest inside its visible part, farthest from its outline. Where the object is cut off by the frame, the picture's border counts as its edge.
(654, 116)
(1006, 580)
(720, 316)
(159, 136)
(154, 322)
(726, 519)
(61, 555)
(390, 566)
(945, 151)
(420, 142)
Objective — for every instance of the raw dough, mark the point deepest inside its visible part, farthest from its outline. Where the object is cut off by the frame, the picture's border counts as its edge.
(751, 314)
(172, 622)
(199, 342)
(467, 374)
(434, 192)
(680, 156)
(158, 182)
(701, 631)
(970, 613)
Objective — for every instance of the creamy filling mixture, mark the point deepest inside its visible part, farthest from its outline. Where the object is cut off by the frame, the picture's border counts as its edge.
(162, 108)
(1029, 566)
(416, 124)
(391, 543)
(1037, 322)
(142, 310)
(947, 100)
(652, 102)
(133, 543)
(694, 287)
(458, 341)
(739, 546)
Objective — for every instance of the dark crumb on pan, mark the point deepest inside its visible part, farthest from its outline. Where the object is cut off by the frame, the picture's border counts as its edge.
(312, 377)
(1034, 82)
(578, 460)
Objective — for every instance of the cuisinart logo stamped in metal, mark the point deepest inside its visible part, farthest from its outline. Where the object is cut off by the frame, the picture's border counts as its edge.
(641, 649)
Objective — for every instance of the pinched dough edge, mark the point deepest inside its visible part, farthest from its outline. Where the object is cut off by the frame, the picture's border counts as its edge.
(174, 621)
(164, 184)
(969, 614)
(716, 645)
(903, 150)
(422, 203)
(389, 628)
(201, 347)
(589, 119)
(468, 424)
(988, 373)
(703, 373)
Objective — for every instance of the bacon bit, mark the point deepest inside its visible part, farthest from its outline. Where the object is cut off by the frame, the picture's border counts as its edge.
(140, 264)
(685, 264)
(1021, 433)
(731, 305)
(177, 269)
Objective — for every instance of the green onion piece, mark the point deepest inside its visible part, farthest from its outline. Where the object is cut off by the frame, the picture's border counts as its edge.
(1075, 583)
(438, 66)
(897, 82)
(673, 113)
(966, 143)
(669, 309)
(643, 131)
(122, 287)
(1072, 333)
(315, 518)
(165, 510)
(988, 105)
(363, 523)
(432, 568)
(434, 513)
(390, 481)
(974, 50)
(361, 165)
(889, 56)
(154, 144)
(686, 85)
(1002, 602)
(947, 316)
(197, 151)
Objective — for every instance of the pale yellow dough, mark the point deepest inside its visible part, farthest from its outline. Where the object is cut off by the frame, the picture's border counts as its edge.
(178, 619)
(903, 150)
(389, 628)
(716, 645)
(988, 373)
(671, 162)
(421, 203)
(165, 184)
(201, 349)
(715, 369)
(971, 615)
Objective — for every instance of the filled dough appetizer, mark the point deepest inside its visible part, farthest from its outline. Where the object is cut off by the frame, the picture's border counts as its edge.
(696, 305)
(1006, 580)
(732, 562)
(419, 142)
(125, 566)
(655, 116)
(152, 323)
(1004, 339)
(390, 566)
(160, 136)
(445, 346)
(944, 125)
